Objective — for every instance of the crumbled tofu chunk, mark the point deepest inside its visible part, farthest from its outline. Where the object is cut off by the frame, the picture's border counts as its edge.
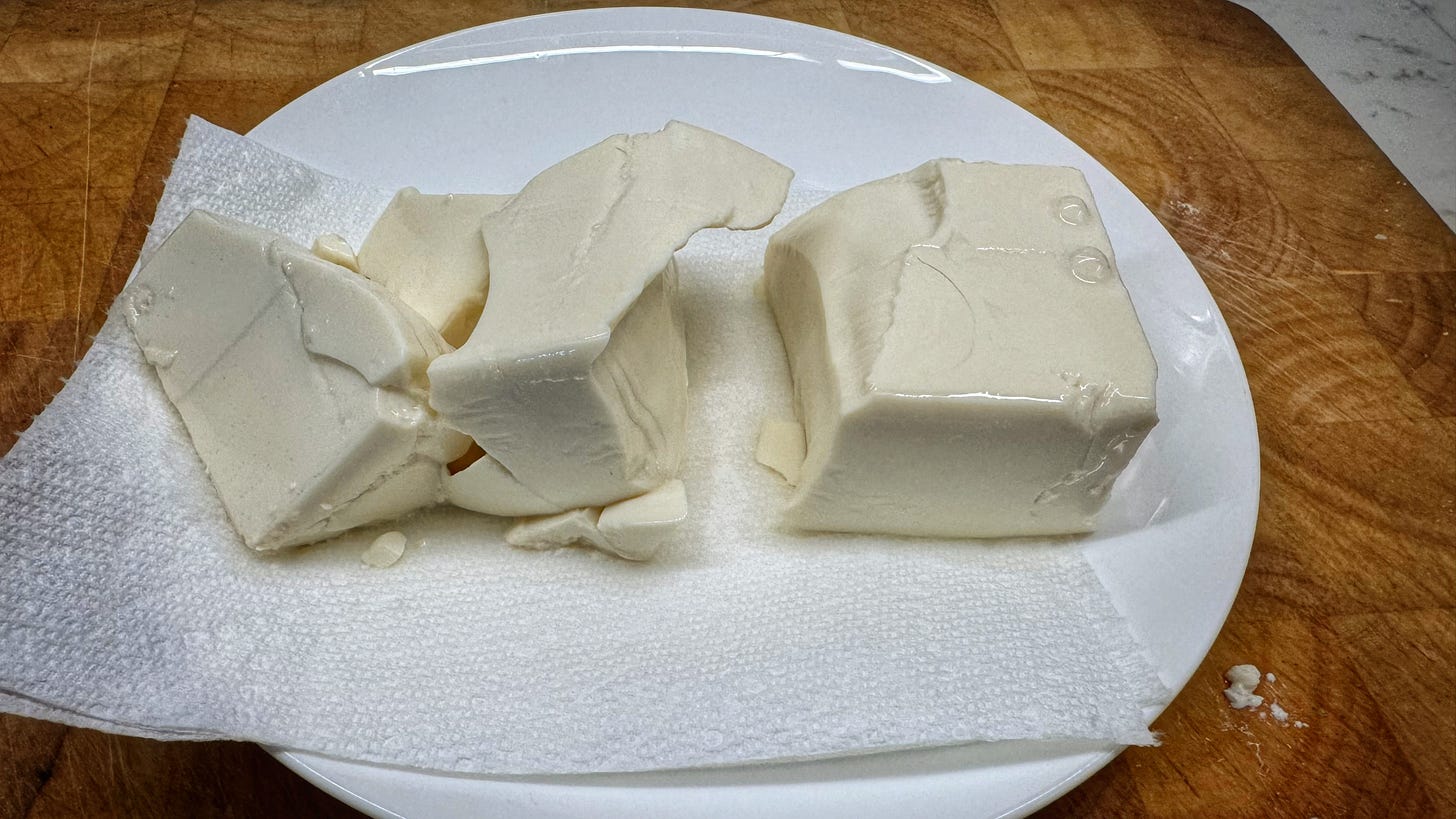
(1242, 680)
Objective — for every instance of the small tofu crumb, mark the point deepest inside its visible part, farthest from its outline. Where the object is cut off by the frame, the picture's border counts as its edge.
(1278, 712)
(1270, 677)
(385, 551)
(332, 247)
(1242, 680)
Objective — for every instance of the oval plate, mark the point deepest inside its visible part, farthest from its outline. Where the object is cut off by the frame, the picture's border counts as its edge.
(840, 111)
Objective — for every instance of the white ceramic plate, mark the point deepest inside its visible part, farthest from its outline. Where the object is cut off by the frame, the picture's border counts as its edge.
(840, 111)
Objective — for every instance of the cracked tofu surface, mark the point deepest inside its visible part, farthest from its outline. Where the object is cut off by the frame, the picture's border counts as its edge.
(301, 383)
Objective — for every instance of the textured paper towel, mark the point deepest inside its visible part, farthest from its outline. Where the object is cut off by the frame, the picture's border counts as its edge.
(127, 603)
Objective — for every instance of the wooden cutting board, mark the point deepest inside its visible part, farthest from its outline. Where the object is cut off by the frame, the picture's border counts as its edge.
(1338, 281)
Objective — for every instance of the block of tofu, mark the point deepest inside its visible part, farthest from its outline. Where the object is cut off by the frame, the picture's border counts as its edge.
(574, 381)
(966, 361)
(301, 383)
(427, 250)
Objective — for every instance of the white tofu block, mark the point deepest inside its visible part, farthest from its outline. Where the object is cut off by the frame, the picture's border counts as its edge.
(966, 361)
(427, 250)
(301, 384)
(575, 379)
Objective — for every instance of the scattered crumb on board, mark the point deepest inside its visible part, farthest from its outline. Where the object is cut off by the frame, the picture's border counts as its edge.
(1242, 681)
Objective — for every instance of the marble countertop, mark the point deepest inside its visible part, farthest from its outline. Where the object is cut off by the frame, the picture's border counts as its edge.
(1393, 66)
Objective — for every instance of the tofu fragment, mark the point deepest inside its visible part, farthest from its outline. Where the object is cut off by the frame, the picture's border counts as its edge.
(331, 247)
(486, 486)
(301, 384)
(577, 527)
(635, 529)
(385, 551)
(1242, 680)
(966, 361)
(427, 250)
(574, 380)
(781, 448)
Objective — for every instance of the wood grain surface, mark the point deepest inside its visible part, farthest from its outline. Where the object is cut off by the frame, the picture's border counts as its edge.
(1338, 281)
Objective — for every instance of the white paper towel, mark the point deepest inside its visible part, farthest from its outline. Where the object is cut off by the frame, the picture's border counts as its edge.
(128, 604)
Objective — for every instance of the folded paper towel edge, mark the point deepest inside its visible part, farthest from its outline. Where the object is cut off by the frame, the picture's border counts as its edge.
(15, 703)
(20, 703)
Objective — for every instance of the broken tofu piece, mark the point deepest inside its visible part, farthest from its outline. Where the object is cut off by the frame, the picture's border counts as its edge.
(781, 448)
(966, 360)
(1242, 680)
(486, 486)
(574, 381)
(331, 247)
(576, 527)
(635, 529)
(385, 551)
(301, 384)
(427, 250)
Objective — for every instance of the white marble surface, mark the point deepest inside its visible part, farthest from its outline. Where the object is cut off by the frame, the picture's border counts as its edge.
(1392, 64)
